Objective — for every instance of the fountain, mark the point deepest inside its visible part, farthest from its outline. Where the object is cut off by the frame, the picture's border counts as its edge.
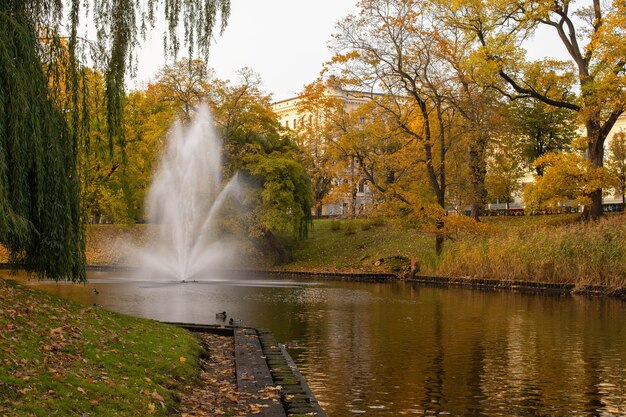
(184, 200)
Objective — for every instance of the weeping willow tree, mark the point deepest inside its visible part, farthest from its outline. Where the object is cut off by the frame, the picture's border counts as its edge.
(44, 120)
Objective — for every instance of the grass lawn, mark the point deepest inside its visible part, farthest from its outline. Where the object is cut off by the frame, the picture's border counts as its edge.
(59, 358)
(355, 245)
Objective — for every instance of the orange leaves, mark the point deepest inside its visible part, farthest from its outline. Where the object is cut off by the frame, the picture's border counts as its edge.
(567, 177)
(343, 58)
(57, 332)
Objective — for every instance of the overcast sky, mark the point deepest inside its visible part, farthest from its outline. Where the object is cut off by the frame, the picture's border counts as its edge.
(285, 41)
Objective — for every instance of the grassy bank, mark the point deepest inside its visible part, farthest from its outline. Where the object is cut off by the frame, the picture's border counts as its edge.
(355, 246)
(556, 249)
(59, 358)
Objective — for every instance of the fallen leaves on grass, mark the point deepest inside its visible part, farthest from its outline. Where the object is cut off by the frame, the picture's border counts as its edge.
(58, 356)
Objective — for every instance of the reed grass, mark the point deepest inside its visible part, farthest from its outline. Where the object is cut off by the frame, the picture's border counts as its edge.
(580, 253)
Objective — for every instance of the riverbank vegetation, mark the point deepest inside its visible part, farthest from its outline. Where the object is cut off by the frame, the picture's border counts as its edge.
(549, 248)
(565, 252)
(554, 248)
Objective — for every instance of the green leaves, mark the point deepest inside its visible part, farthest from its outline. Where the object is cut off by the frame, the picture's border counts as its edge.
(284, 196)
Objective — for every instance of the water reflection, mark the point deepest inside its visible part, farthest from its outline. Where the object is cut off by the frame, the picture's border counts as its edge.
(398, 349)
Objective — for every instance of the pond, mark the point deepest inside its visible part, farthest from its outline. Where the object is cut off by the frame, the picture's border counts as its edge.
(392, 349)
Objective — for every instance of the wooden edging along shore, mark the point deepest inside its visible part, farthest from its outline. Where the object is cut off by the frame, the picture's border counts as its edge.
(520, 286)
(263, 364)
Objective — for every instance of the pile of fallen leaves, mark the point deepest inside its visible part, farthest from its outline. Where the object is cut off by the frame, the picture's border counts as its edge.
(62, 358)
(216, 394)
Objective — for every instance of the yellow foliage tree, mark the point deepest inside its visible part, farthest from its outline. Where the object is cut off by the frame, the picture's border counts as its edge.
(591, 83)
(568, 179)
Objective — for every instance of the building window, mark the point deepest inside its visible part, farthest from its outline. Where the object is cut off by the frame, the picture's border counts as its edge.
(294, 123)
(362, 186)
(286, 123)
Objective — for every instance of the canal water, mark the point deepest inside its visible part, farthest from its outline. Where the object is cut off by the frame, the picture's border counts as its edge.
(394, 349)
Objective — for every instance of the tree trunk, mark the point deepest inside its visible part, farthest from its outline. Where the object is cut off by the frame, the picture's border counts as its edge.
(478, 171)
(595, 154)
(354, 188)
(439, 239)
(318, 210)
(282, 254)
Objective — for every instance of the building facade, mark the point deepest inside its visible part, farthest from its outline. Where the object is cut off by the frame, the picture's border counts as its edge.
(337, 203)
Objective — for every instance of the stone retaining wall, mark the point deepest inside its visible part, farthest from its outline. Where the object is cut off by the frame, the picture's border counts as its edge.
(264, 364)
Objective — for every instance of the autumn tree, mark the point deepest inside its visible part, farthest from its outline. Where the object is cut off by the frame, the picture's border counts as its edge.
(241, 111)
(505, 169)
(255, 145)
(41, 222)
(616, 163)
(590, 84)
(389, 46)
(478, 108)
(368, 146)
(184, 85)
(321, 120)
(567, 178)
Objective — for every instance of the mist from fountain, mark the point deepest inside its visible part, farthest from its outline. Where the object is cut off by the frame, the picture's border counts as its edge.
(184, 202)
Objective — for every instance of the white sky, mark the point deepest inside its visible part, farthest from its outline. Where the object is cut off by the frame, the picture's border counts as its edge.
(282, 40)
(285, 41)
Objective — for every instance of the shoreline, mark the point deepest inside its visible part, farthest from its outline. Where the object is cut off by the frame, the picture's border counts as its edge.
(566, 288)
(468, 282)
